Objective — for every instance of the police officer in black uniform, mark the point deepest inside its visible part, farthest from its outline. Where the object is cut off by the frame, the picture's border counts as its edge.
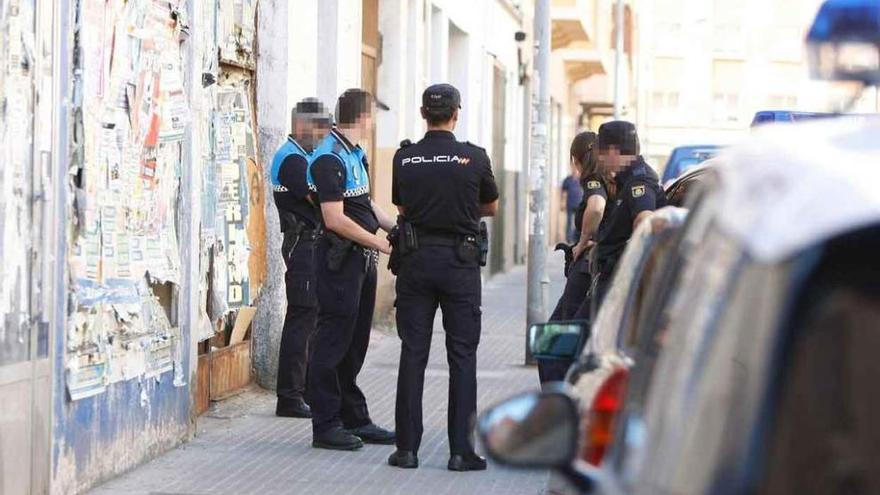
(346, 255)
(588, 218)
(299, 226)
(442, 187)
(638, 193)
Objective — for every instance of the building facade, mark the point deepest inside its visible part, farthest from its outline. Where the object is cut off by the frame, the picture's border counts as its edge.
(708, 66)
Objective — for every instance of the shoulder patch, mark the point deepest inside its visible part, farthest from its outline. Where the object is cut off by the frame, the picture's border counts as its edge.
(638, 191)
(594, 184)
(405, 143)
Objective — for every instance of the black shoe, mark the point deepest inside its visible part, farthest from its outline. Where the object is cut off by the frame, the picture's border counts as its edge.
(374, 434)
(336, 439)
(292, 408)
(469, 462)
(404, 459)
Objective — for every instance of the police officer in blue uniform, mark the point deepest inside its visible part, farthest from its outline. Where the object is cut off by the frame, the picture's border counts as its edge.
(299, 226)
(346, 256)
(638, 193)
(442, 187)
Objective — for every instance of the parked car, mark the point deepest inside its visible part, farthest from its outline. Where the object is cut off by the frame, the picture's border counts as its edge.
(686, 157)
(679, 190)
(766, 364)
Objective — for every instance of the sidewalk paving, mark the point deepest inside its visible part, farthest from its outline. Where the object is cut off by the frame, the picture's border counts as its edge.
(242, 448)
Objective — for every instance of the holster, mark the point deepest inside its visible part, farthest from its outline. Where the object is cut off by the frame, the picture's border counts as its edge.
(291, 229)
(484, 243)
(569, 256)
(340, 249)
(469, 250)
(394, 259)
(403, 240)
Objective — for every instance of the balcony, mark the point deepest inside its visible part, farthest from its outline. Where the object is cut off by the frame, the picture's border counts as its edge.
(573, 22)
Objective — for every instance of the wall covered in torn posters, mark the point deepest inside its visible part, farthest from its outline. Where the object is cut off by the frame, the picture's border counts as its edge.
(232, 228)
(135, 115)
(152, 108)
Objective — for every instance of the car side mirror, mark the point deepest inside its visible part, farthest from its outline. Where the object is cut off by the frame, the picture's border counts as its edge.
(558, 340)
(533, 430)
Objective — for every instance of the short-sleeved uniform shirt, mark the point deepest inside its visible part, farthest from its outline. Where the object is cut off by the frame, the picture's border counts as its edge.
(574, 192)
(331, 183)
(638, 190)
(291, 188)
(441, 183)
(593, 185)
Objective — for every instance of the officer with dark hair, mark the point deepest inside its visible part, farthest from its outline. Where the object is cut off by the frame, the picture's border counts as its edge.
(638, 193)
(442, 187)
(299, 226)
(346, 256)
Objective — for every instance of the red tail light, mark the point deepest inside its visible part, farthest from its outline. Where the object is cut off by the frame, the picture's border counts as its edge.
(602, 415)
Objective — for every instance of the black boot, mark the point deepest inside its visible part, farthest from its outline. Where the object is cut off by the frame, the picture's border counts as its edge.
(404, 459)
(374, 434)
(336, 439)
(466, 462)
(292, 408)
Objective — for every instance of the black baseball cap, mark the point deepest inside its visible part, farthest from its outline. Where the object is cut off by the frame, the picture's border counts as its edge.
(621, 134)
(441, 96)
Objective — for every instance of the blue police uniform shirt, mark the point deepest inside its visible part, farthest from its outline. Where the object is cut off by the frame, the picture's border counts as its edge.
(441, 183)
(638, 189)
(339, 171)
(289, 182)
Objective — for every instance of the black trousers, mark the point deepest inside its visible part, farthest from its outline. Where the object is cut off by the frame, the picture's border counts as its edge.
(574, 299)
(429, 278)
(577, 285)
(346, 299)
(299, 321)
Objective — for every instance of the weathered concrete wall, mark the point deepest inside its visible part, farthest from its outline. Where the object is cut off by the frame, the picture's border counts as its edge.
(103, 436)
(273, 110)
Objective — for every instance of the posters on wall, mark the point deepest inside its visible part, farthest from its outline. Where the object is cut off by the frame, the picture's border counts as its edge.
(134, 116)
(137, 111)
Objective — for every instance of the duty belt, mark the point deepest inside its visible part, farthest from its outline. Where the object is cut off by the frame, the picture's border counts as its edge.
(444, 240)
